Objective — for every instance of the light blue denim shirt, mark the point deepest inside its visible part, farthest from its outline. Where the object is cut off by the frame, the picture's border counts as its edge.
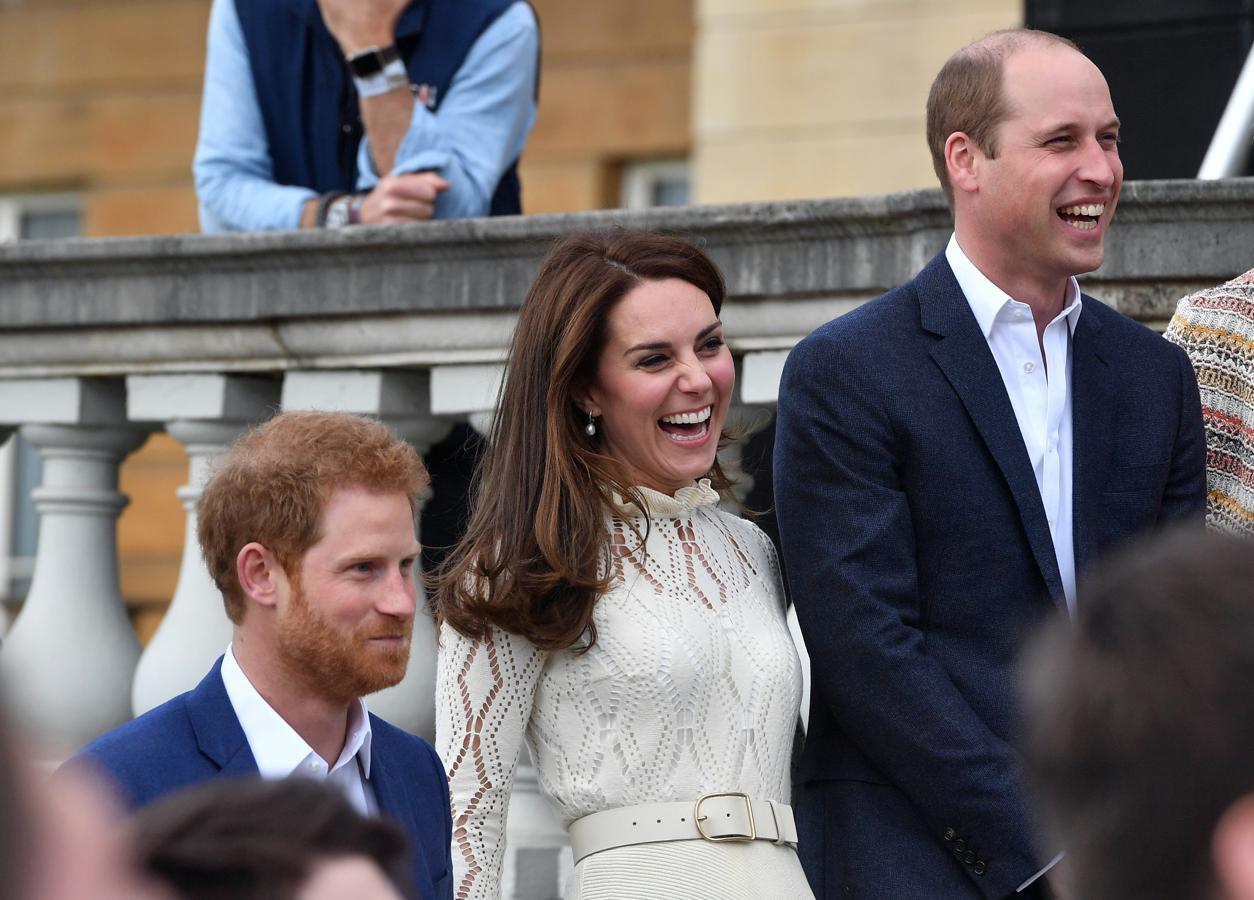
(479, 130)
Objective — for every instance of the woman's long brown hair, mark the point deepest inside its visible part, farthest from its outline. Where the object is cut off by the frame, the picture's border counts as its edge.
(529, 562)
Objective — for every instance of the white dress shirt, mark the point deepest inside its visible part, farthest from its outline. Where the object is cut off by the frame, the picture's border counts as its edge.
(1039, 389)
(280, 752)
(1040, 393)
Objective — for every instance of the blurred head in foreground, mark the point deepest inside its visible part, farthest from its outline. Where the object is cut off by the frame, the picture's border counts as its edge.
(248, 839)
(1141, 715)
(62, 838)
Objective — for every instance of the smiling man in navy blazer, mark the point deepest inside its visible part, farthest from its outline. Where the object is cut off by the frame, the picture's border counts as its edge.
(307, 528)
(948, 458)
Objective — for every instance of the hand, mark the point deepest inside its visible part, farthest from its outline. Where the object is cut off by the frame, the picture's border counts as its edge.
(358, 24)
(1056, 882)
(402, 198)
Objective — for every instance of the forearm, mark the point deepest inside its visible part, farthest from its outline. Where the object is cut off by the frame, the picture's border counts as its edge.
(234, 201)
(386, 118)
(481, 125)
(232, 166)
(479, 735)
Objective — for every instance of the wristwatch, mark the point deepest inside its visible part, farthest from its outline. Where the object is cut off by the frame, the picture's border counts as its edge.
(338, 212)
(377, 70)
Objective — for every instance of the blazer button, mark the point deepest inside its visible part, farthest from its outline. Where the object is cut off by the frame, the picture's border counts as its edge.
(979, 868)
(969, 857)
(960, 845)
(950, 834)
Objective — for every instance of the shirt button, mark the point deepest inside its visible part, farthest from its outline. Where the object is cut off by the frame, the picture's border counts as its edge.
(1018, 314)
(1029, 368)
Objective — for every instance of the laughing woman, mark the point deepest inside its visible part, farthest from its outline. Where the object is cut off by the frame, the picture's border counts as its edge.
(603, 609)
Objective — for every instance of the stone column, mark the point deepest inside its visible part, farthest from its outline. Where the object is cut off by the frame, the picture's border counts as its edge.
(205, 413)
(401, 400)
(6, 524)
(744, 421)
(70, 655)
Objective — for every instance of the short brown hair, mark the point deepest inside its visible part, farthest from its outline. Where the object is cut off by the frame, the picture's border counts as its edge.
(529, 562)
(967, 94)
(274, 482)
(249, 839)
(1141, 718)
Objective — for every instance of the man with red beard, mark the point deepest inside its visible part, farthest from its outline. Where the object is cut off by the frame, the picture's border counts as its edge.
(307, 528)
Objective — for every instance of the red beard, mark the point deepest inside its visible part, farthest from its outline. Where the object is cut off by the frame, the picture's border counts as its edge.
(337, 665)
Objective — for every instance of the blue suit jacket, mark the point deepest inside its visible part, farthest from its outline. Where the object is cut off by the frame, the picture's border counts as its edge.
(196, 736)
(919, 558)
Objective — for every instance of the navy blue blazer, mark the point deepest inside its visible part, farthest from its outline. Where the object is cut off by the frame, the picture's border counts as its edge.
(196, 736)
(919, 558)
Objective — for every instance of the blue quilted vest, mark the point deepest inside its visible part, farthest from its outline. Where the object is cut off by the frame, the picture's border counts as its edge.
(308, 104)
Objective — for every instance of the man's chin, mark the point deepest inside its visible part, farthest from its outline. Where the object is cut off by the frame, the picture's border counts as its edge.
(384, 670)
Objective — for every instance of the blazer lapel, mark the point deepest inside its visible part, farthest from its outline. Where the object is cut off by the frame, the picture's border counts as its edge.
(217, 728)
(963, 356)
(389, 790)
(1092, 393)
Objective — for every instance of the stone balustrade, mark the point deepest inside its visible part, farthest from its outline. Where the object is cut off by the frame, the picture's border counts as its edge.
(104, 341)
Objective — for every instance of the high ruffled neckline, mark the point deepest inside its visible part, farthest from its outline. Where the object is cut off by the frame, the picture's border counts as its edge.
(686, 499)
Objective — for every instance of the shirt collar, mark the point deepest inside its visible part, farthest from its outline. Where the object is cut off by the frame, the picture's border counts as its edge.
(987, 300)
(277, 748)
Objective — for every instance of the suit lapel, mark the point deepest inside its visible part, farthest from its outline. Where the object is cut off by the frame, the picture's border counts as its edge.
(389, 790)
(1092, 393)
(218, 732)
(963, 356)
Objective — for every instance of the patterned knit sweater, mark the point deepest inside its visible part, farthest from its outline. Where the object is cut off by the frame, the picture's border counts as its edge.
(1216, 329)
(693, 686)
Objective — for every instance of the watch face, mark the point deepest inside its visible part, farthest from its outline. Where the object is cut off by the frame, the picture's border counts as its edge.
(337, 212)
(371, 61)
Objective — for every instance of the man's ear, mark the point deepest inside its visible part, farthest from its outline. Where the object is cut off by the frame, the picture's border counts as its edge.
(1232, 850)
(962, 160)
(260, 575)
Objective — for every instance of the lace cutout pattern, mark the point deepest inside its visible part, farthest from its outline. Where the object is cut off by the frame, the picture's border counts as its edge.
(693, 686)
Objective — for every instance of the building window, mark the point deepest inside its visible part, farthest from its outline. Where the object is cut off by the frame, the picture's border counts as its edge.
(664, 182)
(28, 217)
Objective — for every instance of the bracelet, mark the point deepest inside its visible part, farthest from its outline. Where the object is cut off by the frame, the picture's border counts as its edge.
(324, 202)
(390, 78)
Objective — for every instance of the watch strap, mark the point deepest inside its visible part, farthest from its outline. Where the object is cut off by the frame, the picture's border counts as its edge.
(372, 60)
(324, 203)
(390, 79)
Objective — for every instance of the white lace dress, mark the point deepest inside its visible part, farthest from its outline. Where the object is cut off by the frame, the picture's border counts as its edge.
(692, 687)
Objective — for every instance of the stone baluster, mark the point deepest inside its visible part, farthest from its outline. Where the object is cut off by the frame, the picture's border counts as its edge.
(7, 449)
(744, 422)
(536, 841)
(69, 658)
(205, 413)
(401, 400)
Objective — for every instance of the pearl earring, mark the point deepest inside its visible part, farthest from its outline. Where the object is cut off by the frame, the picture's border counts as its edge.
(591, 428)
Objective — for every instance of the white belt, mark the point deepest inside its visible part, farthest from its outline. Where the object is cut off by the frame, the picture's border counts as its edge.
(718, 818)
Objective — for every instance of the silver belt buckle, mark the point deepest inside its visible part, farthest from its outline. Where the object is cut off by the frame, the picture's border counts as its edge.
(698, 819)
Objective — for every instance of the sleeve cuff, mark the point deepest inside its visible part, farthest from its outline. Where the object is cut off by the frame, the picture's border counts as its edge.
(1049, 865)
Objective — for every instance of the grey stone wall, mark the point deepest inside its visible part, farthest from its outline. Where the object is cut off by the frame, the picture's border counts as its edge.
(444, 292)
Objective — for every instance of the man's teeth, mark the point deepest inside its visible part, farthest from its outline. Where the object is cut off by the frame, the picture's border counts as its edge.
(691, 418)
(1089, 209)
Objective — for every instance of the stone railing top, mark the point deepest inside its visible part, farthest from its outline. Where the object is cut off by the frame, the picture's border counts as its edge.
(401, 295)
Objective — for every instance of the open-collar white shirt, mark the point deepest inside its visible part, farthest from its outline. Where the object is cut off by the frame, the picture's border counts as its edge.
(280, 752)
(1040, 392)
